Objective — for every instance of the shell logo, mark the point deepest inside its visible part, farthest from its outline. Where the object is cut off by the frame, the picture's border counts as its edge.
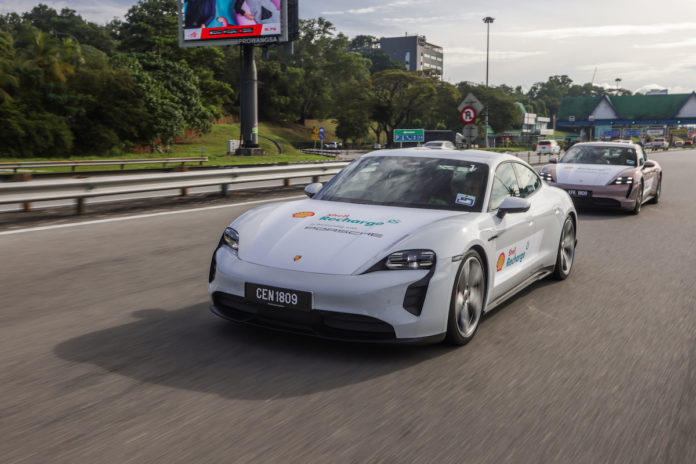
(297, 258)
(501, 262)
(303, 214)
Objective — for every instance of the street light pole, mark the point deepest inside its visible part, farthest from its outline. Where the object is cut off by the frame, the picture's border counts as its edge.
(488, 20)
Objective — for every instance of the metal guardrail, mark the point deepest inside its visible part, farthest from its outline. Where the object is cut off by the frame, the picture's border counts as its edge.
(318, 151)
(116, 162)
(79, 189)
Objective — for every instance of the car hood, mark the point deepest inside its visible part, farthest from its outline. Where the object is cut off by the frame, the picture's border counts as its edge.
(328, 237)
(587, 174)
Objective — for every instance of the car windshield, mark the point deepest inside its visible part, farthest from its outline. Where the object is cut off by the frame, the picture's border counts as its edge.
(619, 156)
(411, 182)
(544, 142)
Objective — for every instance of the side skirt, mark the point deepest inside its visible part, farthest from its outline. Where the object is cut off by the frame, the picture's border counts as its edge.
(525, 283)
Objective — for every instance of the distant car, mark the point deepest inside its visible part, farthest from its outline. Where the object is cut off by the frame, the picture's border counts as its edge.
(688, 142)
(622, 141)
(332, 145)
(678, 143)
(402, 245)
(659, 144)
(440, 145)
(606, 174)
(548, 147)
(377, 146)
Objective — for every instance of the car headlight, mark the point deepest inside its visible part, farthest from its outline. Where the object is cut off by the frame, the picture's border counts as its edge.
(406, 260)
(546, 176)
(231, 238)
(623, 180)
(411, 259)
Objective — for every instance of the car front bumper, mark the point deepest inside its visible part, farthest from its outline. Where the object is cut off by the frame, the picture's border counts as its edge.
(603, 196)
(365, 307)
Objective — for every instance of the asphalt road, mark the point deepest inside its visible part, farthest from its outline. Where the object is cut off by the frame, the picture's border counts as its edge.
(108, 353)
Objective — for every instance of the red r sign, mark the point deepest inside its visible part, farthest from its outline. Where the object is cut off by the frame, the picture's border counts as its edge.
(468, 115)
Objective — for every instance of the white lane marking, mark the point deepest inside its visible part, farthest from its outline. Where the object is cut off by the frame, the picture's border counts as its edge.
(143, 216)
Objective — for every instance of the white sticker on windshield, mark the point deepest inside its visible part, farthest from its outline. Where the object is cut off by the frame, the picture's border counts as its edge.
(466, 200)
(631, 162)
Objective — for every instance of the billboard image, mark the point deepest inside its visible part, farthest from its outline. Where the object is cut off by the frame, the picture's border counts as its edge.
(231, 21)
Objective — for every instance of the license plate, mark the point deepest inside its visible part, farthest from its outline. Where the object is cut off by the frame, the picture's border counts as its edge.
(580, 193)
(275, 296)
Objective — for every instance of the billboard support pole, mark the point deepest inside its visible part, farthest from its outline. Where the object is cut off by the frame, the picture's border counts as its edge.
(249, 103)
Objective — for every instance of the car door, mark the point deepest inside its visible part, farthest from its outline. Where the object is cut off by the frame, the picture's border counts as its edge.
(544, 231)
(512, 233)
(650, 175)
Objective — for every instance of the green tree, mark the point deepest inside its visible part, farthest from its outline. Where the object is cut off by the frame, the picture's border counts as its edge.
(151, 25)
(55, 58)
(551, 92)
(354, 105)
(8, 82)
(68, 23)
(398, 96)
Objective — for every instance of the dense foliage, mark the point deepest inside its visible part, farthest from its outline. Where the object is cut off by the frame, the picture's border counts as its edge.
(71, 87)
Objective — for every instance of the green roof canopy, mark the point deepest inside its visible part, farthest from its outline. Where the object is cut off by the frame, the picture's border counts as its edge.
(628, 107)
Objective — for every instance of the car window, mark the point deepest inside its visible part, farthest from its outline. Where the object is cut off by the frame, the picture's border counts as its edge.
(528, 180)
(410, 181)
(598, 154)
(504, 185)
(641, 156)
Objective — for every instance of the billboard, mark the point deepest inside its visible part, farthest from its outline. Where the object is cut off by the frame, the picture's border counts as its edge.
(231, 22)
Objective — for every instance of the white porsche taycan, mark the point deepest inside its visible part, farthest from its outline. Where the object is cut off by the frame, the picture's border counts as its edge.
(402, 245)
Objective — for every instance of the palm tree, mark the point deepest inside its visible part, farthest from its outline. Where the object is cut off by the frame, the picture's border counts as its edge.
(7, 80)
(48, 54)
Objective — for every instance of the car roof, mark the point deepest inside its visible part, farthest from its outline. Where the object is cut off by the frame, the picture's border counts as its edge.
(606, 144)
(476, 156)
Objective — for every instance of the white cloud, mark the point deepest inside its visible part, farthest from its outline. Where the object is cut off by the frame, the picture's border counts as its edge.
(371, 9)
(669, 45)
(615, 30)
(468, 55)
(610, 65)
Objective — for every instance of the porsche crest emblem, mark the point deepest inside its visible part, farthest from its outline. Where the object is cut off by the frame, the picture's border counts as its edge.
(297, 258)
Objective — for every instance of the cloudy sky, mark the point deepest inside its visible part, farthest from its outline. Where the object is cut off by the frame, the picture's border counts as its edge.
(646, 44)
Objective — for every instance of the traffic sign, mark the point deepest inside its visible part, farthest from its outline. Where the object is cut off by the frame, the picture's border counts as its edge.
(315, 130)
(471, 101)
(321, 133)
(470, 131)
(315, 137)
(468, 115)
(409, 135)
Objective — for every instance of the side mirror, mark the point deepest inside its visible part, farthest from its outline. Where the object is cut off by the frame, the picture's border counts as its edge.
(553, 160)
(513, 205)
(313, 189)
(649, 164)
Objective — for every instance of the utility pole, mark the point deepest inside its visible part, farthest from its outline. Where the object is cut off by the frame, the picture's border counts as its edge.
(488, 20)
(249, 104)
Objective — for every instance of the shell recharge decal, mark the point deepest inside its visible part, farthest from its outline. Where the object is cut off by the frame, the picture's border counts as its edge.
(516, 257)
(345, 224)
(501, 262)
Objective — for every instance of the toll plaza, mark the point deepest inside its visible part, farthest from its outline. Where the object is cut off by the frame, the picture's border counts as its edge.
(641, 116)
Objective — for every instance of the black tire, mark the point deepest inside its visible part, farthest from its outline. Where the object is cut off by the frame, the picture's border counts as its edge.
(656, 198)
(639, 199)
(565, 256)
(468, 299)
